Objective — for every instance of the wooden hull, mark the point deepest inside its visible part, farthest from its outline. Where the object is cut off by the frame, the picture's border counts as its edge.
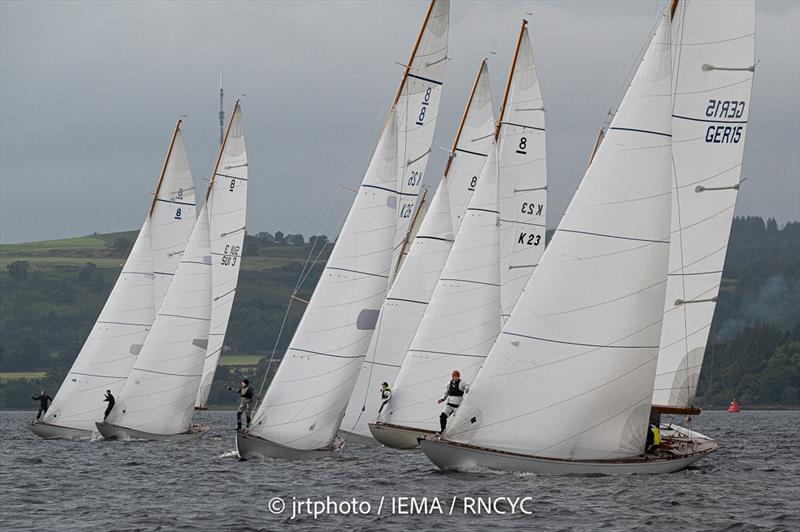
(398, 437)
(115, 432)
(250, 446)
(451, 456)
(57, 432)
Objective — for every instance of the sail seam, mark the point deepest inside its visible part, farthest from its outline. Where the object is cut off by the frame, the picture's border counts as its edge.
(356, 271)
(580, 343)
(425, 79)
(232, 177)
(182, 316)
(615, 236)
(522, 126)
(165, 373)
(175, 202)
(469, 281)
(125, 323)
(406, 300)
(425, 237)
(324, 354)
(641, 131)
(462, 150)
(390, 190)
(712, 121)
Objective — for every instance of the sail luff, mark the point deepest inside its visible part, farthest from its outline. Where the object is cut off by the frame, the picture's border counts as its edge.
(510, 77)
(221, 150)
(164, 166)
(464, 117)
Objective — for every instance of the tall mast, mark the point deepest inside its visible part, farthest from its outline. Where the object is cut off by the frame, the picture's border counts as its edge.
(164, 168)
(510, 77)
(411, 58)
(221, 148)
(463, 118)
(221, 111)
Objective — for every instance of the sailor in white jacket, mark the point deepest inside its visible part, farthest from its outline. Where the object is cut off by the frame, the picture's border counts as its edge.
(453, 394)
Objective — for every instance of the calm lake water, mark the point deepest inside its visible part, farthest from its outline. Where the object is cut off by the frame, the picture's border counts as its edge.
(750, 484)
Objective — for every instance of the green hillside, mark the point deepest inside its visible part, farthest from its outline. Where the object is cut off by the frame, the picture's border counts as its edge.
(51, 293)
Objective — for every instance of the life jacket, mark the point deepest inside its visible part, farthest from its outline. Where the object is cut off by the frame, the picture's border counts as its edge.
(454, 390)
(386, 392)
(656, 435)
(246, 392)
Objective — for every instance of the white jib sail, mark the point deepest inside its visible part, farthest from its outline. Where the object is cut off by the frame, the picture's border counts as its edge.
(523, 177)
(308, 395)
(227, 211)
(417, 107)
(411, 291)
(117, 337)
(572, 371)
(713, 57)
(462, 320)
(159, 394)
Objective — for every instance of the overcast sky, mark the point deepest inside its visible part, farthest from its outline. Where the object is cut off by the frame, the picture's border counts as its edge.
(90, 91)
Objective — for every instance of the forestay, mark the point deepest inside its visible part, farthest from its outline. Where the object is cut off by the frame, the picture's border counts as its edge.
(227, 209)
(119, 332)
(713, 60)
(308, 395)
(417, 107)
(409, 294)
(571, 374)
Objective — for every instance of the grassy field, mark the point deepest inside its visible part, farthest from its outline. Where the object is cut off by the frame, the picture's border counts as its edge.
(239, 360)
(16, 375)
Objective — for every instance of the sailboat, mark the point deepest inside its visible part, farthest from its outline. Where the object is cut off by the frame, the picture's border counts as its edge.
(300, 414)
(411, 291)
(567, 387)
(158, 399)
(119, 332)
(501, 236)
(713, 55)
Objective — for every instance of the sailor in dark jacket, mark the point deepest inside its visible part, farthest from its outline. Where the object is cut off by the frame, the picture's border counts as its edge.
(453, 394)
(44, 401)
(109, 398)
(246, 395)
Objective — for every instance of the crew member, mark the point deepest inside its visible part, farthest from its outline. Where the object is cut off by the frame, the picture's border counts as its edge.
(44, 401)
(109, 398)
(453, 394)
(246, 394)
(653, 438)
(386, 394)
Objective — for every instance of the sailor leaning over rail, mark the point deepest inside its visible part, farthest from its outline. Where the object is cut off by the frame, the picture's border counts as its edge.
(386, 394)
(453, 394)
(246, 395)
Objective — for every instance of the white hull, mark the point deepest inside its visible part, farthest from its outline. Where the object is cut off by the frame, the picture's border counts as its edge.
(57, 432)
(398, 437)
(114, 432)
(450, 456)
(249, 446)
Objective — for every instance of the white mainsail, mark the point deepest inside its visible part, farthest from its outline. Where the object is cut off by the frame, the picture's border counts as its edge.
(409, 294)
(571, 374)
(464, 316)
(523, 176)
(713, 65)
(172, 222)
(308, 395)
(117, 337)
(227, 211)
(159, 395)
(417, 107)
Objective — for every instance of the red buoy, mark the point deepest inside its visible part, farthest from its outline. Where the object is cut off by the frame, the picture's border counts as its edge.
(733, 407)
